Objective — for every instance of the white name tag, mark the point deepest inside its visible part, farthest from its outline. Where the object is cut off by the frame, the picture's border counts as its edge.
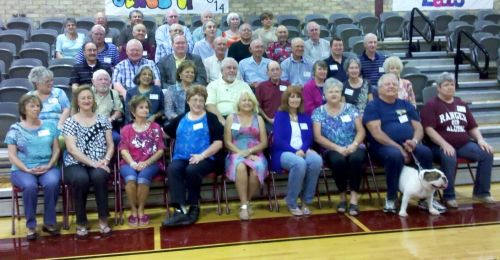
(334, 67)
(461, 109)
(403, 119)
(283, 87)
(146, 36)
(197, 126)
(235, 126)
(107, 60)
(346, 118)
(44, 132)
(303, 126)
(349, 91)
(153, 96)
(381, 70)
(307, 74)
(108, 40)
(144, 53)
(53, 101)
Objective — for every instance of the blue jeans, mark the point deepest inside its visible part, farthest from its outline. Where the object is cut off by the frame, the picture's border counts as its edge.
(470, 151)
(143, 177)
(302, 177)
(50, 181)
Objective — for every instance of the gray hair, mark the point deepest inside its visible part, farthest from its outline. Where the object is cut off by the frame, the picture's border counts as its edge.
(350, 61)
(98, 27)
(100, 72)
(332, 83)
(393, 61)
(227, 61)
(445, 76)
(230, 16)
(368, 36)
(205, 25)
(39, 74)
(384, 77)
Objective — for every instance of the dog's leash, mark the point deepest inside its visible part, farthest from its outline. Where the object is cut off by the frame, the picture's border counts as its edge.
(416, 162)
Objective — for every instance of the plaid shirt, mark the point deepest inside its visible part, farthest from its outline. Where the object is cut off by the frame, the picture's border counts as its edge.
(125, 72)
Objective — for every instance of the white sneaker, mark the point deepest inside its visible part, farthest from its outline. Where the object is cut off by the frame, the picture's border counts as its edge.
(485, 199)
(422, 204)
(390, 206)
(296, 211)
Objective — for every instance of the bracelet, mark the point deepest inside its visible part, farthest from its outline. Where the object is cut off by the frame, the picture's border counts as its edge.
(415, 141)
(107, 158)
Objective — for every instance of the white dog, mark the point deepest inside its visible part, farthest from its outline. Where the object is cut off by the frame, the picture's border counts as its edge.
(420, 184)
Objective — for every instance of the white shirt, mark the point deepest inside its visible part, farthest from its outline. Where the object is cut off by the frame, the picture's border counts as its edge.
(296, 138)
(212, 66)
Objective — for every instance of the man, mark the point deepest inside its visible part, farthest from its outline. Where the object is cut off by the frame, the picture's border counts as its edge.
(168, 64)
(297, 68)
(163, 35)
(101, 19)
(268, 93)
(123, 76)
(315, 47)
(204, 48)
(281, 49)
(139, 31)
(336, 60)
(106, 52)
(135, 17)
(267, 33)
(372, 62)
(254, 68)
(395, 134)
(224, 93)
(198, 33)
(213, 63)
(240, 49)
(82, 72)
(165, 48)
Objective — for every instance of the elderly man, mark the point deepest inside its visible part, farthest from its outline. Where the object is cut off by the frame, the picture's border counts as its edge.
(204, 48)
(297, 68)
(101, 19)
(163, 35)
(395, 134)
(198, 33)
(168, 64)
(123, 76)
(254, 68)
(139, 31)
(282, 48)
(268, 93)
(106, 52)
(316, 48)
(213, 63)
(82, 72)
(241, 49)
(454, 133)
(165, 48)
(135, 17)
(108, 101)
(336, 60)
(224, 93)
(267, 33)
(372, 62)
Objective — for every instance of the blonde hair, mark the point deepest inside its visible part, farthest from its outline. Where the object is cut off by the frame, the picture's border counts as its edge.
(252, 98)
(393, 61)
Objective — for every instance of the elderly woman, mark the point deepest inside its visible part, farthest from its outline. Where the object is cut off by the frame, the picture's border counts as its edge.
(108, 101)
(449, 123)
(140, 32)
(33, 152)
(313, 89)
(90, 148)
(339, 131)
(175, 97)
(232, 34)
(245, 137)
(204, 48)
(69, 44)
(198, 139)
(141, 147)
(54, 100)
(291, 150)
(405, 91)
(357, 91)
(144, 80)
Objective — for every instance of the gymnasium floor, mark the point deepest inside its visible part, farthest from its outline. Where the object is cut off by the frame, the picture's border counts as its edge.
(472, 231)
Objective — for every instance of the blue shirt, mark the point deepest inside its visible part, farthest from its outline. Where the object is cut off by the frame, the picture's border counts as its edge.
(199, 35)
(203, 49)
(155, 96)
(175, 101)
(69, 48)
(125, 72)
(339, 129)
(34, 146)
(192, 137)
(54, 105)
(162, 35)
(372, 69)
(296, 72)
(108, 55)
(252, 72)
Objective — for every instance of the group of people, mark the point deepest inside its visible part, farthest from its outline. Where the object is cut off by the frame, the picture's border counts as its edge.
(307, 103)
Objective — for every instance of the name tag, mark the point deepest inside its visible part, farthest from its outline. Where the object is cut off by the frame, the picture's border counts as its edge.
(381, 70)
(334, 67)
(107, 60)
(349, 91)
(307, 74)
(153, 96)
(44, 132)
(146, 36)
(108, 40)
(235, 126)
(403, 119)
(346, 118)
(461, 109)
(303, 126)
(144, 53)
(283, 87)
(197, 126)
(53, 101)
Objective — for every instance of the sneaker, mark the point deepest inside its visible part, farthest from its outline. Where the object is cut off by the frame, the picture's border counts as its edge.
(53, 230)
(306, 211)
(244, 214)
(484, 199)
(144, 220)
(178, 219)
(296, 211)
(390, 206)
(31, 234)
(451, 204)
(422, 204)
(133, 221)
(194, 213)
(249, 208)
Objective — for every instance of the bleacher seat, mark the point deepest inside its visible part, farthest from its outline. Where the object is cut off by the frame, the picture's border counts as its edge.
(9, 108)
(419, 82)
(346, 31)
(11, 94)
(20, 68)
(318, 18)
(6, 121)
(288, 20)
(45, 35)
(20, 23)
(392, 25)
(17, 82)
(7, 53)
(85, 22)
(409, 70)
(254, 21)
(15, 36)
(37, 50)
(418, 22)
(196, 22)
(440, 20)
(491, 44)
(367, 22)
(465, 16)
(337, 19)
(356, 44)
(293, 32)
(453, 29)
(62, 67)
(54, 23)
(119, 23)
(3, 73)
(63, 83)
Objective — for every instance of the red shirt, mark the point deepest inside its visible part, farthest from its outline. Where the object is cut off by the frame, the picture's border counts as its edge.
(279, 52)
(269, 96)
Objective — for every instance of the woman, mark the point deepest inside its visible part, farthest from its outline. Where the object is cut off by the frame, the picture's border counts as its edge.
(198, 138)
(356, 90)
(90, 148)
(232, 34)
(141, 148)
(55, 103)
(139, 32)
(69, 44)
(33, 151)
(204, 48)
(313, 89)
(144, 80)
(339, 131)
(245, 137)
(394, 65)
(175, 97)
(292, 140)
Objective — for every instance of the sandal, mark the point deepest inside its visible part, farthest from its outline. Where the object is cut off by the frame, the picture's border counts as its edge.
(144, 220)
(341, 207)
(353, 209)
(31, 234)
(81, 232)
(105, 231)
(133, 221)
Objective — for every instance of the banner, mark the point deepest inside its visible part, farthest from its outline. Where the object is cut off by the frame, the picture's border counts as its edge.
(154, 7)
(408, 5)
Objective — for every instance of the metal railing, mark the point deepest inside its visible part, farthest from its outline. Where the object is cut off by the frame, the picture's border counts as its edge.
(412, 26)
(460, 55)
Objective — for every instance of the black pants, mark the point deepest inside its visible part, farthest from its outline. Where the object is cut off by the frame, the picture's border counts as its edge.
(80, 178)
(346, 168)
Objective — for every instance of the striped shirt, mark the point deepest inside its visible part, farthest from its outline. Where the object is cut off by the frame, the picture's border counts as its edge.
(125, 72)
(82, 72)
(108, 55)
(296, 72)
(372, 69)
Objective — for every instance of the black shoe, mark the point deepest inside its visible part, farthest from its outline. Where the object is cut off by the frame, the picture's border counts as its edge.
(194, 213)
(178, 219)
(52, 230)
(31, 235)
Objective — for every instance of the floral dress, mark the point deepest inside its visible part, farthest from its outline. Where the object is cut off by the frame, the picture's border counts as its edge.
(246, 137)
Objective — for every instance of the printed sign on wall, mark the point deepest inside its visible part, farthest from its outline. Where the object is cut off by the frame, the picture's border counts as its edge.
(153, 7)
(407, 5)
